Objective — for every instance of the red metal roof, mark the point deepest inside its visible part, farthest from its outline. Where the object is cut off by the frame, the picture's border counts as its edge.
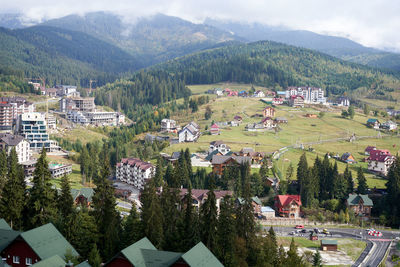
(285, 200)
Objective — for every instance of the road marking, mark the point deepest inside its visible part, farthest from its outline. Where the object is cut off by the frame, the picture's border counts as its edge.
(380, 239)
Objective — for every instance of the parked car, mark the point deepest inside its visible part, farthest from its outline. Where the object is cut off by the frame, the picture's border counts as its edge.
(299, 226)
(325, 231)
(304, 231)
(292, 233)
(317, 231)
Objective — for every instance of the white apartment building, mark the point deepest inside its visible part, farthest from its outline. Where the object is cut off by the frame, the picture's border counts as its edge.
(135, 171)
(311, 95)
(380, 161)
(33, 127)
(219, 146)
(190, 133)
(168, 125)
(9, 141)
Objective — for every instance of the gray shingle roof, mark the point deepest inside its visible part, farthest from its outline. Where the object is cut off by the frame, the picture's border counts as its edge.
(10, 139)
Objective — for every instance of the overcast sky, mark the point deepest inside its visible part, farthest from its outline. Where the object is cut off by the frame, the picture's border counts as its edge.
(374, 23)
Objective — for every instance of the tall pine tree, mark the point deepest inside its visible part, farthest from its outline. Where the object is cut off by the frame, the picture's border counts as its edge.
(12, 201)
(208, 218)
(3, 170)
(132, 228)
(362, 186)
(41, 206)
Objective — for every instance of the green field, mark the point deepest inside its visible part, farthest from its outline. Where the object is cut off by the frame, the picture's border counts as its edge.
(299, 130)
(85, 134)
(203, 88)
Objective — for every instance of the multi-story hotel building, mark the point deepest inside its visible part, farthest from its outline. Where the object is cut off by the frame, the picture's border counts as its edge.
(135, 171)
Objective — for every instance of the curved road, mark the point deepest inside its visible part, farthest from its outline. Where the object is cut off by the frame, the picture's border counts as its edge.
(378, 245)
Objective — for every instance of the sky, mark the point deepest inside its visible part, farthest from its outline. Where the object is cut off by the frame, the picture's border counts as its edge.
(373, 23)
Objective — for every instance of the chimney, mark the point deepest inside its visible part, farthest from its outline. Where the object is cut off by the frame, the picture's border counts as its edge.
(69, 264)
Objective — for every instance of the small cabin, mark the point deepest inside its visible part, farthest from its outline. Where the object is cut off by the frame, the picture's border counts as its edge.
(329, 245)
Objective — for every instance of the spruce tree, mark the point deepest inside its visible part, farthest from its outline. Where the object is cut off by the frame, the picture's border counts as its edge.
(41, 206)
(208, 219)
(158, 177)
(169, 176)
(172, 219)
(188, 163)
(292, 258)
(152, 216)
(302, 171)
(104, 211)
(190, 223)
(65, 201)
(94, 258)
(362, 182)
(317, 261)
(226, 233)
(132, 228)
(349, 179)
(393, 196)
(3, 170)
(12, 201)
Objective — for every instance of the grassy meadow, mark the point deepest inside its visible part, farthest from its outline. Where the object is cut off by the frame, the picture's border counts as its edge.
(299, 130)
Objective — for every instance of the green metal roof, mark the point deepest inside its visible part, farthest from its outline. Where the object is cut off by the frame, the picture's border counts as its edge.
(354, 199)
(200, 256)
(87, 192)
(6, 237)
(54, 261)
(47, 241)
(255, 199)
(4, 225)
(159, 258)
(84, 264)
(329, 242)
(372, 120)
(133, 252)
(3, 263)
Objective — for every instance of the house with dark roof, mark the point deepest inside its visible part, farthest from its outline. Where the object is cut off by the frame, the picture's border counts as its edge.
(254, 127)
(288, 205)
(199, 196)
(380, 161)
(143, 254)
(347, 158)
(360, 204)
(10, 141)
(389, 125)
(256, 157)
(280, 120)
(268, 123)
(219, 146)
(368, 150)
(35, 245)
(329, 245)
(373, 123)
(219, 163)
(135, 171)
(189, 133)
(296, 101)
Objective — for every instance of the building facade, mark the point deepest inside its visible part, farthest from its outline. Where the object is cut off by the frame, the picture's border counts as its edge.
(22, 147)
(135, 171)
(380, 161)
(190, 133)
(288, 205)
(219, 146)
(168, 125)
(360, 204)
(311, 95)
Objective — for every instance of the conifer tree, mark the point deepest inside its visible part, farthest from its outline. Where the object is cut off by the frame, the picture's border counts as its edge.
(169, 176)
(158, 177)
(324, 174)
(84, 161)
(292, 258)
(41, 206)
(104, 211)
(12, 201)
(349, 179)
(172, 219)
(226, 233)
(132, 228)
(393, 189)
(331, 178)
(269, 253)
(151, 216)
(302, 171)
(94, 258)
(65, 201)
(3, 170)
(209, 221)
(317, 261)
(362, 182)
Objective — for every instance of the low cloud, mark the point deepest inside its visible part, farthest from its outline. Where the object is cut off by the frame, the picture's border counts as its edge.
(372, 23)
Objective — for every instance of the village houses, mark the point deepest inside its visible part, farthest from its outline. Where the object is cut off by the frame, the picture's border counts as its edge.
(189, 133)
(360, 204)
(380, 161)
(220, 147)
(288, 205)
(268, 112)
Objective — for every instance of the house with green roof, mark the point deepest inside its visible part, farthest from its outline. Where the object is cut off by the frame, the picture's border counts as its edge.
(255, 201)
(82, 196)
(35, 245)
(373, 123)
(54, 261)
(360, 204)
(144, 254)
(329, 245)
(4, 225)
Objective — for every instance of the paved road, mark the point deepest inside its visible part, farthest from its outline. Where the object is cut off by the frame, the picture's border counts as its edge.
(379, 245)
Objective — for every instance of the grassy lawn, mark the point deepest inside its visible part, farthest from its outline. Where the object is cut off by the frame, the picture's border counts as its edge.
(351, 247)
(85, 134)
(299, 130)
(202, 88)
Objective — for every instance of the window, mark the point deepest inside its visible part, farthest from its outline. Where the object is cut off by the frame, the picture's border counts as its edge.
(28, 261)
(16, 259)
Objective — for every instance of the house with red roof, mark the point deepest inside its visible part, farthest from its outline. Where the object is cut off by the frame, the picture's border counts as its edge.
(368, 150)
(269, 112)
(296, 101)
(214, 129)
(277, 101)
(268, 123)
(380, 161)
(288, 205)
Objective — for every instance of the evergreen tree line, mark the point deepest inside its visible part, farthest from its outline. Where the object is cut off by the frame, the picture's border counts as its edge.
(322, 184)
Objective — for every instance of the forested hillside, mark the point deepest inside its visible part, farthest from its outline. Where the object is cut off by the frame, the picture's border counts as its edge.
(12, 80)
(62, 56)
(272, 64)
(332, 45)
(154, 39)
(151, 88)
